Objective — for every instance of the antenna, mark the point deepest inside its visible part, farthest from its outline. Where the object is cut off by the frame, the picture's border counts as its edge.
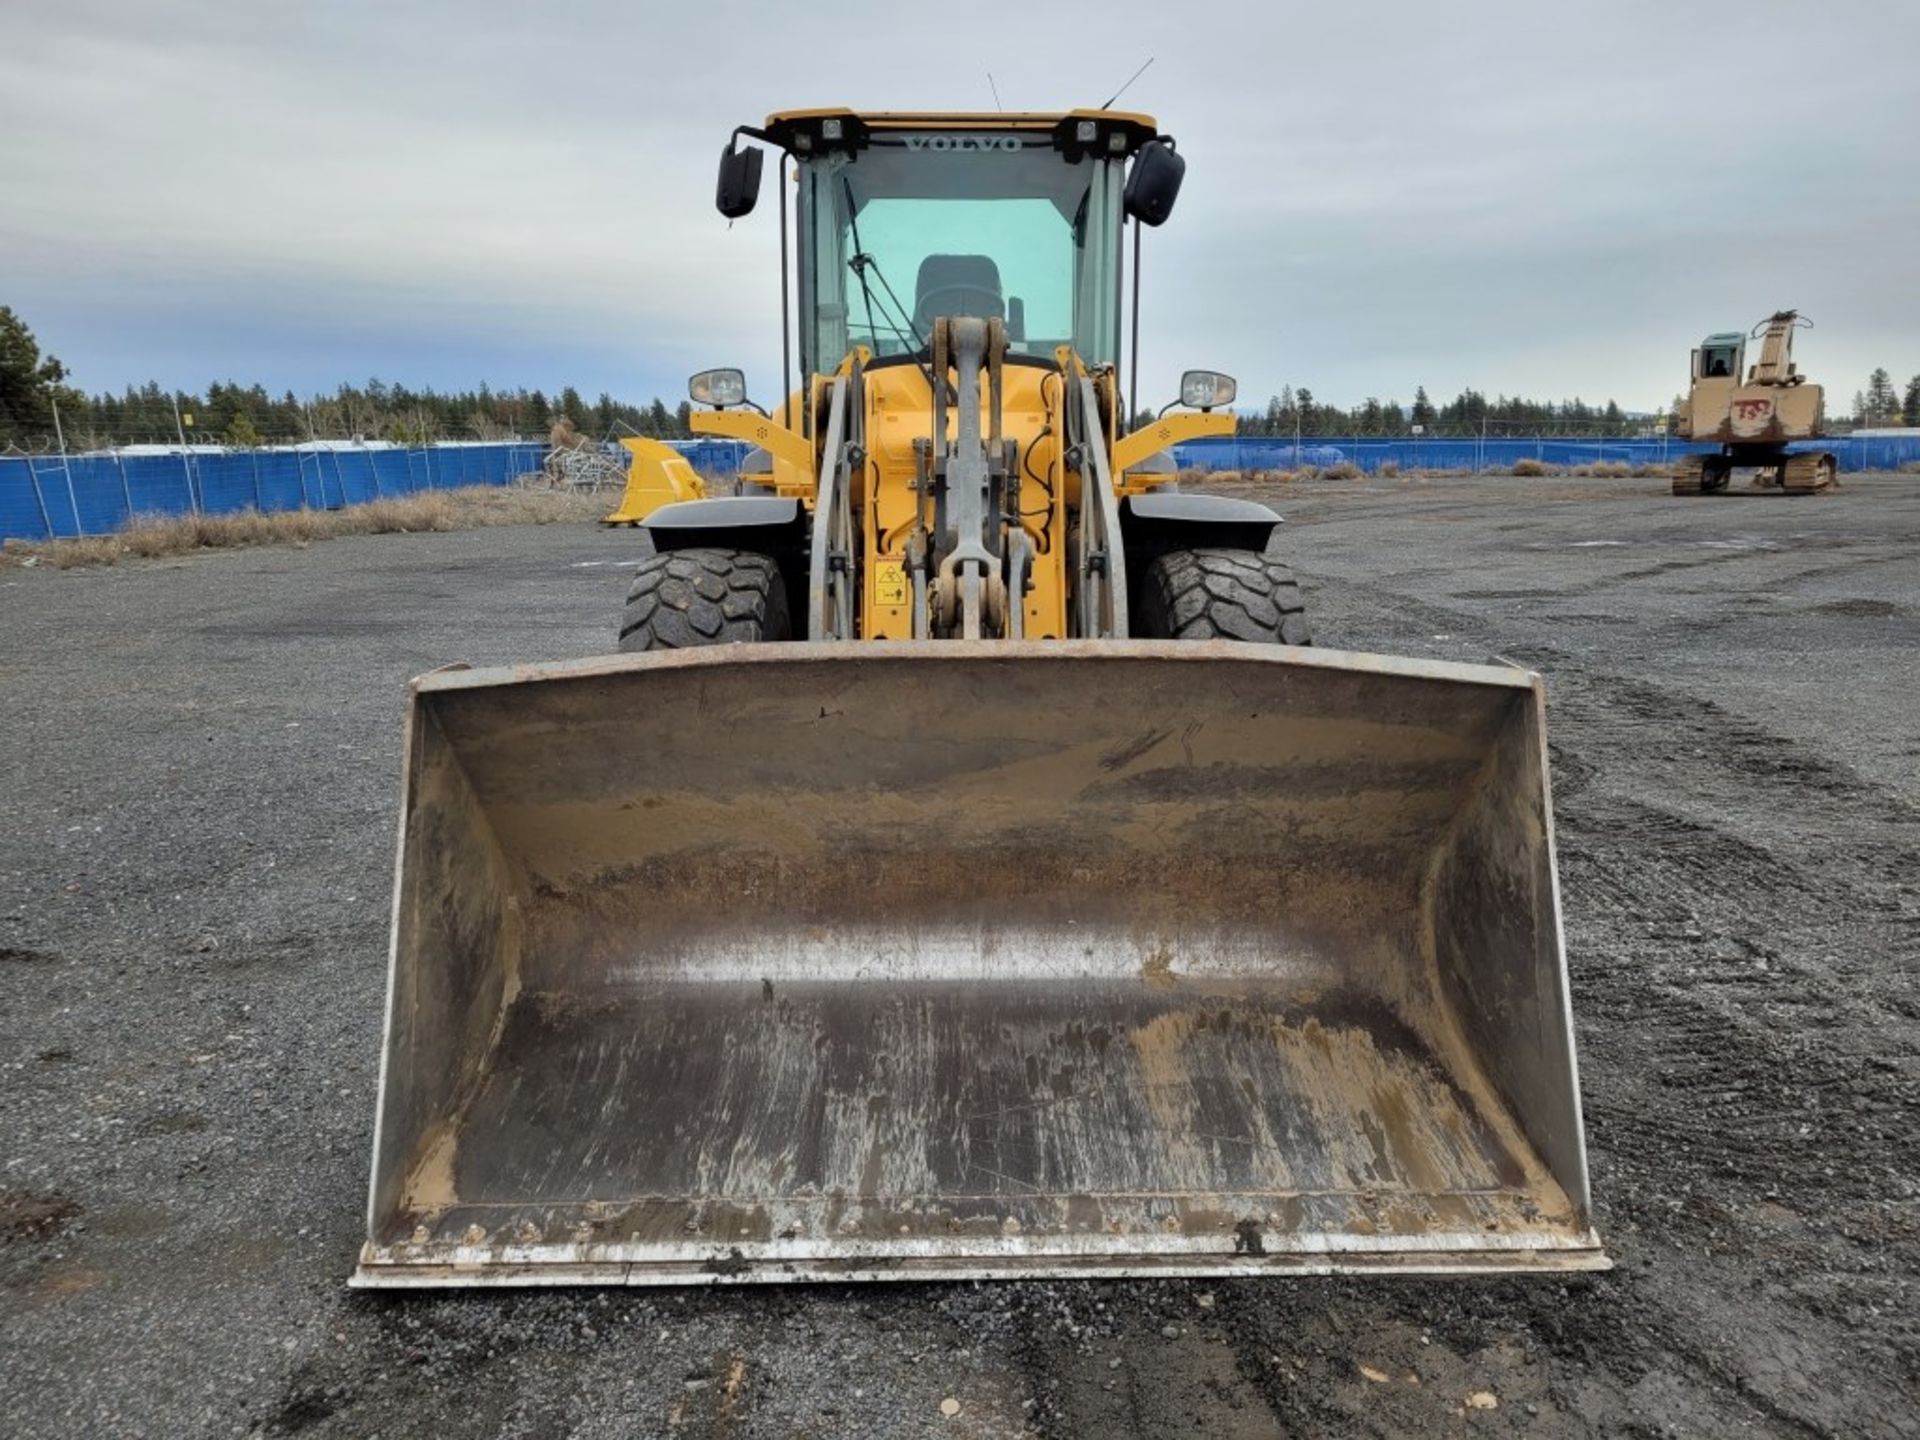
(996, 92)
(1128, 86)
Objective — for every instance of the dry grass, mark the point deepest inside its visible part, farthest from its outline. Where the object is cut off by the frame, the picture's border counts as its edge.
(1529, 468)
(94, 550)
(1388, 470)
(1345, 470)
(1912, 467)
(152, 536)
(1202, 479)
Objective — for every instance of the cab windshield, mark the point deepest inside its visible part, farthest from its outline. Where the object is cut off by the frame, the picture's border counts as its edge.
(916, 226)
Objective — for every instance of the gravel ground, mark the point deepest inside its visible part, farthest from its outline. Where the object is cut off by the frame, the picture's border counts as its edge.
(195, 857)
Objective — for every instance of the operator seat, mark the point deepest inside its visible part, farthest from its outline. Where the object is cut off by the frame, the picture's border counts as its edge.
(957, 285)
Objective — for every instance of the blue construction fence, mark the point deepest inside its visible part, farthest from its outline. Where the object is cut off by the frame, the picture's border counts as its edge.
(53, 496)
(1369, 453)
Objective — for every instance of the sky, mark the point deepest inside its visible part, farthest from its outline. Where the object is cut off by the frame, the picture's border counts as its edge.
(1542, 199)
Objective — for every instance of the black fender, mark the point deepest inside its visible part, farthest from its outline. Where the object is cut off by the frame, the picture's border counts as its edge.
(1153, 524)
(729, 522)
(771, 525)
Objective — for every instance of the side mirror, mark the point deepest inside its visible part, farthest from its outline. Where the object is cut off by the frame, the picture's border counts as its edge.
(1155, 182)
(739, 184)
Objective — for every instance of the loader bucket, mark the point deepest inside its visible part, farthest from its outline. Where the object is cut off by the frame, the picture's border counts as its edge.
(870, 961)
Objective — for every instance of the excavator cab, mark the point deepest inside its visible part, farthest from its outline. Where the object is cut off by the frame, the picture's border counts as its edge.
(1719, 357)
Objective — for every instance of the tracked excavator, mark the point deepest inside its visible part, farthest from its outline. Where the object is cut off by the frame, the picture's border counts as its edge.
(968, 868)
(1753, 416)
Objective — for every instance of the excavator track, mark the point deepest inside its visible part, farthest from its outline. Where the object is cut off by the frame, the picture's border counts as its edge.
(1808, 474)
(1687, 473)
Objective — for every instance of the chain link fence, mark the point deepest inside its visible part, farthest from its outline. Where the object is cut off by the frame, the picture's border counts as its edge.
(55, 496)
(1499, 452)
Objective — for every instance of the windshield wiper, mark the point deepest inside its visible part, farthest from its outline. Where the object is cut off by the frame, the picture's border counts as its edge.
(860, 262)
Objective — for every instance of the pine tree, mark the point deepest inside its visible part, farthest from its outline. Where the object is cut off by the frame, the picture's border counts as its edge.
(1910, 411)
(29, 382)
(1422, 412)
(1882, 404)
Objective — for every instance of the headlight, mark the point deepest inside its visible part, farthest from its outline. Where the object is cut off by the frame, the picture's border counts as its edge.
(1207, 389)
(720, 388)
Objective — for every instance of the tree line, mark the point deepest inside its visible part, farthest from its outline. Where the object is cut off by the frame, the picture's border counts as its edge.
(1296, 411)
(1880, 404)
(247, 415)
(32, 385)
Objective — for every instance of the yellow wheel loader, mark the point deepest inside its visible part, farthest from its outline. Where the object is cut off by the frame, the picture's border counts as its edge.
(969, 870)
(1752, 418)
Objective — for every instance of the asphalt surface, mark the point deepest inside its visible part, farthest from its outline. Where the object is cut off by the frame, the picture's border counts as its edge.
(200, 783)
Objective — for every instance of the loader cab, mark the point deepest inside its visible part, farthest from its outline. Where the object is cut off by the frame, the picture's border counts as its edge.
(903, 218)
(1719, 357)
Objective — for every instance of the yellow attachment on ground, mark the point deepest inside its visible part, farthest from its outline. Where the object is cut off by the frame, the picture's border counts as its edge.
(657, 474)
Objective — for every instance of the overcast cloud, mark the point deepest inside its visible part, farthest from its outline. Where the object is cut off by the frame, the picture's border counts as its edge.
(1521, 197)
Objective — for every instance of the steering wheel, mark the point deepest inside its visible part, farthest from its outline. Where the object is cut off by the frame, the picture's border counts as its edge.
(977, 300)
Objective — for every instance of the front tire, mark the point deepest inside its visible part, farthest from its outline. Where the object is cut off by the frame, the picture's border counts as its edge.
(1221, 594)
(694, 597)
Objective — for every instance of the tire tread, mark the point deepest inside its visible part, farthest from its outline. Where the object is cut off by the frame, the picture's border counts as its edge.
(683, 598)
(1214, 593)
